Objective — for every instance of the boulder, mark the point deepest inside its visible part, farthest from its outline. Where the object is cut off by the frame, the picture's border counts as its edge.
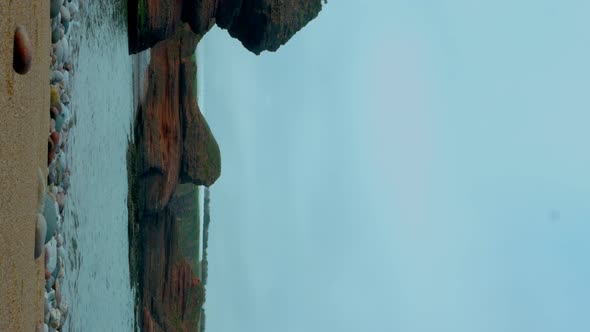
(259, 24)
(266, 25)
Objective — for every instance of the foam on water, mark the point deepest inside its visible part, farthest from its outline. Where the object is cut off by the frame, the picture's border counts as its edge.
(97, 284)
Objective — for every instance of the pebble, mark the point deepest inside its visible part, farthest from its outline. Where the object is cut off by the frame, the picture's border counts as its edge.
(54, 318)
(53, 113)
(55, 34)
(51, 248)
(51, 219)
(54, 8)
(40, 235)
(22, 56)
(56, 77)
(54, 96)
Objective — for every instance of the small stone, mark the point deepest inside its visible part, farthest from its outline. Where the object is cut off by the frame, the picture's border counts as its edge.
(62, 50)
(22, 56)
(53, 113)
(40, 235)
(54, 318)
(51, 248)
(59, 122)
(51, 218)
(73, 7)
(56, 77)
(54, 8)
(51, 148)
(55, 35)
(65, 14)
(54, 138)
(47, 274)
(54, 96)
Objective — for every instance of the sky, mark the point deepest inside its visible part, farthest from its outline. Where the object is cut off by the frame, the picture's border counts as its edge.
(404, 166)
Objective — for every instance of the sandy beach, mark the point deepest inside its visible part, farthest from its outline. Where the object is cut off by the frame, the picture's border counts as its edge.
(23, 150)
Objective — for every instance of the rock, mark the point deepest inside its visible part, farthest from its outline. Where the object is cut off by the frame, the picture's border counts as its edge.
(54, 318)
(22, 55)
(59, 122)
(40, 235)
(52, 174)
(152, 21)
(269, 24)
(53, 113)
(65, 14)
(51, 248)
(62, 50)
(51, 219)
(56, 34)
(54, 136)
(54, 96)
(259, 24)
(54, 8)
(73, 8)
(51, 148)
(201, 158)
(56, 77)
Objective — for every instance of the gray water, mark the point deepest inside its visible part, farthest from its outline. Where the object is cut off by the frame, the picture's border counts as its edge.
(97, 285)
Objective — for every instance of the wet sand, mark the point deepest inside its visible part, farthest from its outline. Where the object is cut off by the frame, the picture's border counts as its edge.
(24, 124)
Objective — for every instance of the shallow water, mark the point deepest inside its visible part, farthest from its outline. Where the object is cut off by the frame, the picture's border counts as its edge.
(97, 284)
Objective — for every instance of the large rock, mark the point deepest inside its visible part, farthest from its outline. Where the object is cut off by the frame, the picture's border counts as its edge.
(151, 21)
(172, 138)
(201, 159)
(158, 135)
(266, 25)
(172, 295)
(259, 24)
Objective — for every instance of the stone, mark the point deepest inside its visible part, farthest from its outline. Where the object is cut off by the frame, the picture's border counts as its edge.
(51, 148)
(65, 14)
(54, 136)
(54, 318)
(56, 34)
(56, 77)
(51, 248)
(54, 96)
(53, 113)
(40, 235)
(22, 56)
(54, 8)
(51, 219)
(259, 24)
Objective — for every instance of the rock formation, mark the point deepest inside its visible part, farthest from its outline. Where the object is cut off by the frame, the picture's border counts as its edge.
(172, 293)
(172, 137)
(259, 24)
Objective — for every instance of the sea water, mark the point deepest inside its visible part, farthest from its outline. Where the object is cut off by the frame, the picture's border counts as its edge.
(97, 283)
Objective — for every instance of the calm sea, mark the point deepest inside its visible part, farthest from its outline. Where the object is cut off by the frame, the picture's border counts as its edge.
(97, 284)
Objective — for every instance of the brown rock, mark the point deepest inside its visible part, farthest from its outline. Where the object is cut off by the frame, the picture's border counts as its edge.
(259, 24)
(23, 51)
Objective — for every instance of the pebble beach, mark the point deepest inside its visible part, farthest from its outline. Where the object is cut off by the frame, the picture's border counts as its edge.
(65, 16)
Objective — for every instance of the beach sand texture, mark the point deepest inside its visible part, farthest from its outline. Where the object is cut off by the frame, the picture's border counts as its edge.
(24, 101)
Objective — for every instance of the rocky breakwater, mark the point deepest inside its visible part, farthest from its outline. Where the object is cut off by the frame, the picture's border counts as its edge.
(259, 24)
(173, 145)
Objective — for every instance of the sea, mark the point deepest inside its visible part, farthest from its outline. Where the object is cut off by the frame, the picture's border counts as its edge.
(97, 282)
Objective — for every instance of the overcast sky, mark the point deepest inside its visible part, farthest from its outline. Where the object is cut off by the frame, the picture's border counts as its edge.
(404, 166)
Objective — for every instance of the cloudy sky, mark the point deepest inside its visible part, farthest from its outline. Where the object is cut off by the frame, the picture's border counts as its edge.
(404, 165)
